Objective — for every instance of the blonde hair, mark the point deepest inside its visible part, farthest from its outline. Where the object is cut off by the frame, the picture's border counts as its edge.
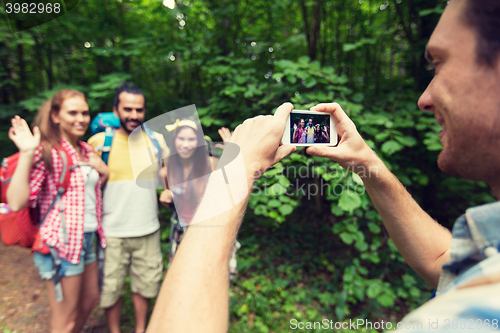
(51, 133)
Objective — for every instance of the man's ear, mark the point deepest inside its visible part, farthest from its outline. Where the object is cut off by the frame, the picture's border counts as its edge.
(115, 111)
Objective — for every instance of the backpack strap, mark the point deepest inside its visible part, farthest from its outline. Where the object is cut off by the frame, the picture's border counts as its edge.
(108, 141)
(62, 186)
(156, 144)
(56, 274)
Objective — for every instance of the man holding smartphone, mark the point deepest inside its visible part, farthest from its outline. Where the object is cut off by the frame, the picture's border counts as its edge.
(465, 267)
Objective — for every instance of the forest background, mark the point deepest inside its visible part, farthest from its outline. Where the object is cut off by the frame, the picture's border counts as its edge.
(306, 254)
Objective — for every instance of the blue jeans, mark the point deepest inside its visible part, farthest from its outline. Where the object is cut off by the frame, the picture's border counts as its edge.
(87, 256)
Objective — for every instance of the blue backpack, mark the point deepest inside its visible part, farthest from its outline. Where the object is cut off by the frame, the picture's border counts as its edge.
(103, 121)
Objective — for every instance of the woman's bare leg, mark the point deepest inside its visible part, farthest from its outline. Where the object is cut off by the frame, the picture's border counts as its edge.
(89, 295)
(65, 313)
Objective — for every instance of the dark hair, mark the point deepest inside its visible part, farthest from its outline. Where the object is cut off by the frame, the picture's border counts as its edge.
(484, 17)
(128, 88)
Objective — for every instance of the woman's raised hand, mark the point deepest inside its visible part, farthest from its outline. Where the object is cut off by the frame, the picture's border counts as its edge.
(225, 135)
(21, 135)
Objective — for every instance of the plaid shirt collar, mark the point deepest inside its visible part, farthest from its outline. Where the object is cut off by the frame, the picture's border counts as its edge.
(474, 247)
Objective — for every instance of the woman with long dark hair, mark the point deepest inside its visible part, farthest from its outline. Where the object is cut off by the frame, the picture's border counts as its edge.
(188, 166)
(70, 226)
(188, 169)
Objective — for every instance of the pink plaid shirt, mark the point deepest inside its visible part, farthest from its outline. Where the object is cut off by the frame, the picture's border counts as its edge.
(43, 186)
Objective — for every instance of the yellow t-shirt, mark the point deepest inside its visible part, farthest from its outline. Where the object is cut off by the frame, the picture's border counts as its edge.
(310, 130)
(130, 203)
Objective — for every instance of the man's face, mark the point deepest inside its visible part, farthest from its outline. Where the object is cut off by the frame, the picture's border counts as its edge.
(130, 110)
(465, 99)
(310, 122)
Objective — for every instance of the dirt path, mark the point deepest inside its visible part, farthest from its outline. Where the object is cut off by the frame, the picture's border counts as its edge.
(24, 306)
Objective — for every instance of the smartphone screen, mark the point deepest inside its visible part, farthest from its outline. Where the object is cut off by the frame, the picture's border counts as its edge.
(308, 128)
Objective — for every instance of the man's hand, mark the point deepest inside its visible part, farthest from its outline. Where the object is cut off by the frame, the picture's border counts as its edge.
(351, 152)
(259, 139)
(20, 134)
(423, 243)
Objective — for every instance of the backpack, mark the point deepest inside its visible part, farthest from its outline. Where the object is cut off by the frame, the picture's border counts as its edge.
(21, 228)
(103, 121)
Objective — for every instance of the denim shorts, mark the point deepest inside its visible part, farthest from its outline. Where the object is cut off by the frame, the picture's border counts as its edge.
(87, 256)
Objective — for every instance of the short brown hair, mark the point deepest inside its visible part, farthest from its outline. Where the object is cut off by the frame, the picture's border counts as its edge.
(484, 17)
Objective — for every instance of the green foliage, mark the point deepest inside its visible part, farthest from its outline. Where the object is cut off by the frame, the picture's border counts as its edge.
(314, 246)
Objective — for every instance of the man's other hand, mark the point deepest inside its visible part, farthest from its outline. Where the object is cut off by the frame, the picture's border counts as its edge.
(259, 139)
(352, 151)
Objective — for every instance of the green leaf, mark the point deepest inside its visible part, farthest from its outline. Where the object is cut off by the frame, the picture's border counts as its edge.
(358, 97)
(348, 47)
(374, 289)
(260, 210)
(276, 189)
(349, 201)
(273, 203)
(292, 79)
(285, 209)
(357, 179)
(283, 181)
(386, 300)
(339, 312)
(391, 146)
(346, 238)
(359, 293)
(337, 227)
(311, 82)
(336, 210)
(408, 141)
(374, 228)
(382, 135)
(361, 246)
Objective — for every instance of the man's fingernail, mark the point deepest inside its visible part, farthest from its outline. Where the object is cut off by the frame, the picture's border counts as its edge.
(312, 150)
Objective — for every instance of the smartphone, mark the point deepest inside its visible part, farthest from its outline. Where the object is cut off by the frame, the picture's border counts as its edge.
(310, 128)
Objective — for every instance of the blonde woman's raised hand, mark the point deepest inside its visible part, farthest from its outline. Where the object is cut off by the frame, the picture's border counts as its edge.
(22, 137)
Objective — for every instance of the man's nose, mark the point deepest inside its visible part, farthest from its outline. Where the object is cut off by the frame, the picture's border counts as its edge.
(425, 102)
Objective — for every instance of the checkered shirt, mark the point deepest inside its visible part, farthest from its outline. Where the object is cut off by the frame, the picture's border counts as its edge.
(43, 190)
(474, 255)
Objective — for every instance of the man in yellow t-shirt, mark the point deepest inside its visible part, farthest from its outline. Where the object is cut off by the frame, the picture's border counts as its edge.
(130, 213)
(310, 131)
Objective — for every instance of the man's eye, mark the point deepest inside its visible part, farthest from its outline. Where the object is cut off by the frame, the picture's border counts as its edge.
(127, 109)
(72, 113)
